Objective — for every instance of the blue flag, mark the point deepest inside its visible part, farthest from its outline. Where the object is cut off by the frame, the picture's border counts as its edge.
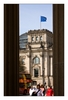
(43, 19)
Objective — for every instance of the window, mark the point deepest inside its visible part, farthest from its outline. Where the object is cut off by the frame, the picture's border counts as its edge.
(40, 37)
(37, 38)
(36, 60)
(35, 72)
(32, 38)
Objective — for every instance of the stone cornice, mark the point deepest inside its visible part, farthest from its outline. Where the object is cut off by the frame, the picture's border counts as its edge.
(32, 51)
(39, 31)
(39, 42)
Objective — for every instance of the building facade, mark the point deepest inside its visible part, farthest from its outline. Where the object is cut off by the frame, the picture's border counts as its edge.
(36, 54)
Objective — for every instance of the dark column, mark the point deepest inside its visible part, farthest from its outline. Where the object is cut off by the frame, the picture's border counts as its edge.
(11, 49)
(58, 50)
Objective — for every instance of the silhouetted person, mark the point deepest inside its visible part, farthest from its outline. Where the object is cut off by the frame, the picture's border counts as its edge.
(25, 92)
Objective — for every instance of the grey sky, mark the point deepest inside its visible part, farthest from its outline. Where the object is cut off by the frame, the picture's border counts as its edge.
(29, 17)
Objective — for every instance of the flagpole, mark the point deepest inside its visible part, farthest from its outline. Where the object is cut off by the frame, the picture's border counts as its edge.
(40, 25)
(42, 19)
(40, 22)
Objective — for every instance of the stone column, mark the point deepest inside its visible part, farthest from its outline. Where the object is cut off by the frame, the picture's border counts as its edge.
(29, 58)
(11, 49)
(51, 66)
(58, 49)
(43, 69)
(51, 71)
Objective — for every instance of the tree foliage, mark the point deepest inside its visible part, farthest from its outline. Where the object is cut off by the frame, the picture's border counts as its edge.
(22, 70)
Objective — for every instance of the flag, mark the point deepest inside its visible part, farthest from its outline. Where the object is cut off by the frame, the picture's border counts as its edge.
(43, 19)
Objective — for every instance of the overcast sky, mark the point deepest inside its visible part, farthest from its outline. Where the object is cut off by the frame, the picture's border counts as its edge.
(29, 17)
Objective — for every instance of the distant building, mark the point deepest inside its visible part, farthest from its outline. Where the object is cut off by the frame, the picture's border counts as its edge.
(36, 53)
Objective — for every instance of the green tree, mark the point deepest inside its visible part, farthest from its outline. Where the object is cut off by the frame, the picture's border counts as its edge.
(22, 70)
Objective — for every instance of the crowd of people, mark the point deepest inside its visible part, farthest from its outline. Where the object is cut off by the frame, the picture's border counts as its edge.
(39, 91)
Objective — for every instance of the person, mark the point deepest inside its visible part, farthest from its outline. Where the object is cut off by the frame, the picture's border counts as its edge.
(40, 90)
(31, 90)
(49, 91)
(28, 88)
(34, 93)
(36, 90)
(25, 92)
